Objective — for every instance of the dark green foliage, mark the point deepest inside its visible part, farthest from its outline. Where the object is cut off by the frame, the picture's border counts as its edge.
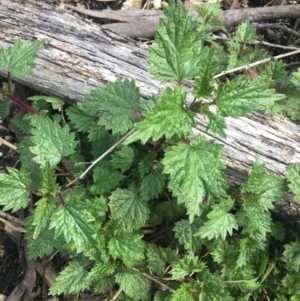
(153, 215)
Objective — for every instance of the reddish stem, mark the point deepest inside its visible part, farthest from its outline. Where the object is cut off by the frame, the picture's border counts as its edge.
(19, 102)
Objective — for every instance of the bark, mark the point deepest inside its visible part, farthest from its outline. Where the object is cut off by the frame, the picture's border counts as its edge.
(79, 56)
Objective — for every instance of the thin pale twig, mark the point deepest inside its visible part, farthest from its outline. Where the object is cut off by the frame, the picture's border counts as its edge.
(10, 145)
(155, 280)
(102, 156)
(245, 67)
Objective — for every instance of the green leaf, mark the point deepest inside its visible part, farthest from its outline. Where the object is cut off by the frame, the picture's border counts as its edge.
(151, 186)
(49, 187)
(184, 293)
(158, 257)
(291, 256)
(72, 220)
(44, 209)
(195, 170)
(119, 102)
(105, 179)
(82, 115)
(183, 267)
(123, 158)
(14, 189)
(162, 296)
(266, 188)
(275, 71)
(128, 247)
(204, 81)
(51, 141)
(129, 211)
(45, 243)
(169, 210)
(19, 58)
(296, 78)
(278, 231)
(147, 164)
(254, 220)
(246, 33)
(135, 286)
(241, 96)
(73, 279)
(293, 176)
(4, 106)
(220, 221)
(185, 233)
(56, 102)
(209, 16)
(213, 288)
(169, 118)
(216, 123)
(248, 250)
(101, 270)
(104, 284)
(178, 50)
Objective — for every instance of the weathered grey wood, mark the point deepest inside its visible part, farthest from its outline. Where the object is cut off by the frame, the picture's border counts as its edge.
(78, 56)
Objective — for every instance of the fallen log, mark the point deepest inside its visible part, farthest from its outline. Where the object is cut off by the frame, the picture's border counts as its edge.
(139, 23)
(79, 56)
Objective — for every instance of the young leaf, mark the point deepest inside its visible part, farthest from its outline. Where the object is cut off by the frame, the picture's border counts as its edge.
(82, 115)
(246, 33)
(104, 284)
(183, 267)
(51, 141)
(56, 102)
(127, 210)
(178, 50)
(49, 187)
(169, 210)
(72, 220)
(119, 102)
(254, 220)
(241, 96)
(293, 175)
(213, 288)
(195, 170)
(185, 233)
(128, 247)
(19, 58)
(209, 16)
(14, 189)
(123, 158)
(184, 292)
(169, 118)
(73, 279)
(105, 179)
(151, 186)
(266, 188)
(44, 209)
(248, 250)
(220, 221)
(101, 270)
(162, 296)
(158, 257)
(135, 286)
(44, 243)
(204, 81)
(291, 256)
(296, 78)
(4, 106)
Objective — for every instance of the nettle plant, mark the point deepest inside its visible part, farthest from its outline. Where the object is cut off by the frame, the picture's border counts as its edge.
(151, 215)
